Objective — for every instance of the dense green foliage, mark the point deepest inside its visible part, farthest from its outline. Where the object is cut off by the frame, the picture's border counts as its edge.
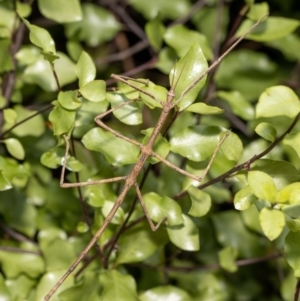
(235, 235)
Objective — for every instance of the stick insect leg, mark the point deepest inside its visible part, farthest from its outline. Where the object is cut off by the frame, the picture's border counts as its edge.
(185, 173)
(140, 197)
(103, 125)
(63, 171)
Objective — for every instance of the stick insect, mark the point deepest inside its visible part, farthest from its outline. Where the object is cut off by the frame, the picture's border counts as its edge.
(146, 150)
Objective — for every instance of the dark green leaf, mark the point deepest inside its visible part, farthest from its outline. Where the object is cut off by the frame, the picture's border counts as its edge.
(227, 258)
(155, 30)
(292, 251)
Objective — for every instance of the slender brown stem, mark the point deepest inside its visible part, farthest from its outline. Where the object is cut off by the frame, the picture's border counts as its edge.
(297, 290)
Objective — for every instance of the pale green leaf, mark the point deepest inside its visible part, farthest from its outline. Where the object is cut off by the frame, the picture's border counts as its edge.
(278, 101)
(4, 183)
(204, 109)
(159, 94)
(94, 91)
(165, 293)
(201, 202)
(232, 146)
(41, 38)
(155, 30)
(15, 148)
(163, 207)
(61, 11)
(181, 38)
(293, 225)
(186, 73)
(271, 29)
(258, 10)
(85, 69)
(185, 236)
(292, 251)
(111, 147)
(227, 258)
(195, 143)
(61, 119)
(130, 114)
(262, 186)
(244, 198)
(266, 131)
(68, 100)
(290, 193)
(97, 26)
(293, 140)
(152, 9)
(272, 222)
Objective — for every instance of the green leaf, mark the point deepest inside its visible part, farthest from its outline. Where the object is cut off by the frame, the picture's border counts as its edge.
(166, 58)
(48, 280)
(163, 207)
(19, 287)
(13, 264)
(266, 131)
(23, 9)
(6, 63)
(231, 232)
(34, 126)
(61, 119)
(232, 146)
(130, 114)
(85, 69)
(238, 104)
(288, 45)
(272, 29)
(60, 10)
(165, 293)
(41, 38)
(117, 286)
(159, 94)
(72, 164)
(52, 158)
(161, 145)
(201, 202)
(293, 140)
(94, 91)
(155, 30)
(272, 222)
(291, 210)
(185, 73)
(195, 143)
(290, 193)
(262, 186)
(292, 251)
(118, 218)
(39, 72)
(293, 225)
(227, 258)
(258, 10)
(111, 147)
(15, 148)
(97, 26)
(185, 236)
(282, 172)
(87, 289)
(204, 109)
(139, 243)
(152, 9)
(68, 100)
(180, 38)
(244, 198)
(4, 183)
(278, 101)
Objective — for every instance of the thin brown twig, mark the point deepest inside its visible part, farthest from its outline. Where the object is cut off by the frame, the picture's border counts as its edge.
(18, 250)
(297, 290)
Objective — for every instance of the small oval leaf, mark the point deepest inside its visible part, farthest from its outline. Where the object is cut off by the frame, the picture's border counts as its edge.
(201, 202)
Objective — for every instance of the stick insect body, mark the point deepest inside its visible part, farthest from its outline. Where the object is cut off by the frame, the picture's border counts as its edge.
(146, 151)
